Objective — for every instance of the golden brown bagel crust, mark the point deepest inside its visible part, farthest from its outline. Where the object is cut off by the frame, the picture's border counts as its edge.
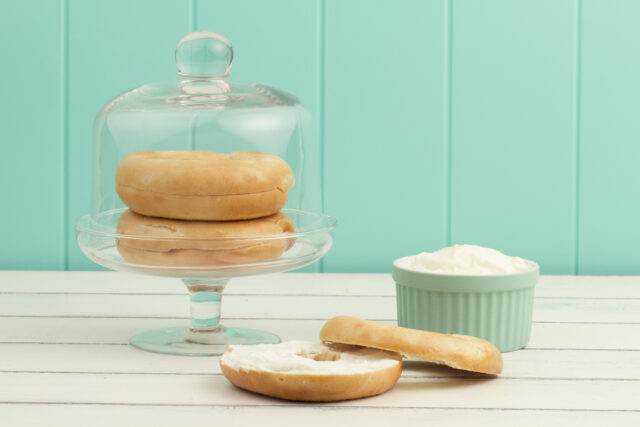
(315, 388)
(457, 351)
(201, 185)
(208, 242)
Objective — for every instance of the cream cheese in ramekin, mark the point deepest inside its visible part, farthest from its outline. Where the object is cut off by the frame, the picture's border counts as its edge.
(466, 260)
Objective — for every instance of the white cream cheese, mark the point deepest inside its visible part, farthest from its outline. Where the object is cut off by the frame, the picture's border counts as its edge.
(466, 259)
(302, 357)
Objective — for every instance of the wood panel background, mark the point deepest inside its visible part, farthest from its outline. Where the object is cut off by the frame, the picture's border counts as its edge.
(508, 124)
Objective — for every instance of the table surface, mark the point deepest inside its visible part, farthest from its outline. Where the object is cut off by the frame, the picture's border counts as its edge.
(65, 358)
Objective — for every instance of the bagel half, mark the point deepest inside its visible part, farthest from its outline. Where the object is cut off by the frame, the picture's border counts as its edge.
(176, 243)
(314, 372)
(457, 351)
(201, 185)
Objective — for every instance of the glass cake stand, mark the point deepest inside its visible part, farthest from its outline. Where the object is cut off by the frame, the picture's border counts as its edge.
(206, 336)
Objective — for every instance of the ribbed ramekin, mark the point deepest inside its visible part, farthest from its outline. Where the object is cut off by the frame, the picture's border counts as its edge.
(497, 308)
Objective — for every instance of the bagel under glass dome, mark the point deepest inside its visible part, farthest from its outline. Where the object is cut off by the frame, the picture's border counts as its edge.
(203, 110)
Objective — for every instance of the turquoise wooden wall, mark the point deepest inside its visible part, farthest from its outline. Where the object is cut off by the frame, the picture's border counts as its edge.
(510, 124)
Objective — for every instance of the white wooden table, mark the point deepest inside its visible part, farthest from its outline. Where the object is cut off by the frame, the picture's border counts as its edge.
(64, 357)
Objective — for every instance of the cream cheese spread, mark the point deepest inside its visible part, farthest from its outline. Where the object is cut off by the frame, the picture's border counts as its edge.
(301, 357)
(466, 260)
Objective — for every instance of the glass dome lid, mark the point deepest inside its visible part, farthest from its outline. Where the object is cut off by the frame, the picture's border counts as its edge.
(203, 110)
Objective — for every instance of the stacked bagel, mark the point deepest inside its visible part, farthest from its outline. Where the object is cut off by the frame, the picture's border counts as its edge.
(199, 208)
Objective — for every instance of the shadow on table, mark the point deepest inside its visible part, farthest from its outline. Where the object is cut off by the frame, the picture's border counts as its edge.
(424, 375)
(418, 369)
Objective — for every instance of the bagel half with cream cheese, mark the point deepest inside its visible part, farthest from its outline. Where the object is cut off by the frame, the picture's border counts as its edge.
(314, 372)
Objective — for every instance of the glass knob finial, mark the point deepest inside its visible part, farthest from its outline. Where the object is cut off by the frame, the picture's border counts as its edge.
(204, 54)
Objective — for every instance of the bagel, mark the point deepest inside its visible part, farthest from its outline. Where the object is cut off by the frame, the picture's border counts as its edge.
(457, 351)
(176, 243)
(201, 185)
(314, 372)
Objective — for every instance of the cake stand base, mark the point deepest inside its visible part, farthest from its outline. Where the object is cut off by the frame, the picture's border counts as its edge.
(184, 341)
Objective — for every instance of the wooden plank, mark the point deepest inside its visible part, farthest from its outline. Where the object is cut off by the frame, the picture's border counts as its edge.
(512, 184)
(291, 307)
(118, 331)
(283, 413)
(609, 233)
(586, 364)
(86, 282)
(32, 135)
(384, 131)
(279, 49)
(291, 283)
(215, 390)
(119, 283)
(586, 310)
(588, 287)
(114, 46)
(264, 306)
(578, 336)
(92, 358)
(585, 336)
(271, 47)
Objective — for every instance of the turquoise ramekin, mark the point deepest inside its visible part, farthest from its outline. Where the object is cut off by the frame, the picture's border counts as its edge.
(497, 308)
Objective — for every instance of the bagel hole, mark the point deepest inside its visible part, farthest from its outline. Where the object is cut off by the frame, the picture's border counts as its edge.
(325, 356)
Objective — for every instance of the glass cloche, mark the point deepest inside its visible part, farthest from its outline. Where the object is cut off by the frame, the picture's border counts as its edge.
(205, 179)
